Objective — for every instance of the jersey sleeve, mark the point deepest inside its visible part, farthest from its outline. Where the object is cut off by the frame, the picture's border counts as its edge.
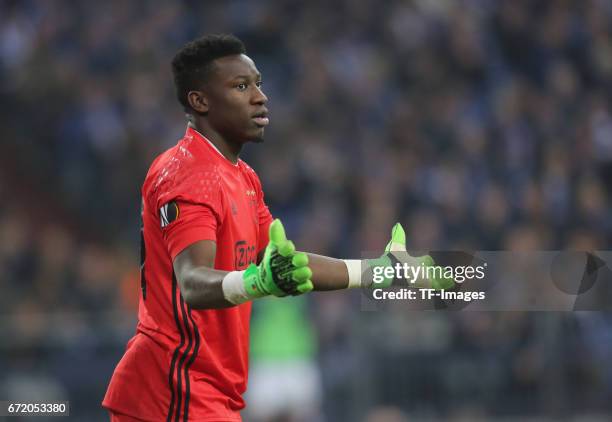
(194, 222)
(189, 204)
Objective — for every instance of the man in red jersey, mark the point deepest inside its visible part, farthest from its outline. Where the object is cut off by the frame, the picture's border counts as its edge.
(205, 225)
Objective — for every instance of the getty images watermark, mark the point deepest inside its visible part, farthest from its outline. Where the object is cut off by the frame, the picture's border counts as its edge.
(490, 281)
(425, 277)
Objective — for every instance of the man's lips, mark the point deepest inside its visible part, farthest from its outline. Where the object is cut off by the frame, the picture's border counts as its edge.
(261, 120)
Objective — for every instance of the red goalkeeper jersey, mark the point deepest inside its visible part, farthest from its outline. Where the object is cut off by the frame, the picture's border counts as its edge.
(185, 364)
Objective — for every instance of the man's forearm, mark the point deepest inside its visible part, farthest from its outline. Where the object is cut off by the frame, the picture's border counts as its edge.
(328, 273)
(202, 288)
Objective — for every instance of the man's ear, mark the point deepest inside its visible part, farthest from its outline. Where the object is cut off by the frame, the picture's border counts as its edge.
(198, 101)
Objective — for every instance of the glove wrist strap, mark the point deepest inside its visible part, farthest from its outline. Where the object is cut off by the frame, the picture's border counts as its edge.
(353, 267)
(236, 287)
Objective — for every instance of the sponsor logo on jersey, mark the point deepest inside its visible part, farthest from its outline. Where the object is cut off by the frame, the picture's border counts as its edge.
(244, 255)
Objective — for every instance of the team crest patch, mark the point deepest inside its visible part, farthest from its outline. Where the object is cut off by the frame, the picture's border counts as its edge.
(168, 213)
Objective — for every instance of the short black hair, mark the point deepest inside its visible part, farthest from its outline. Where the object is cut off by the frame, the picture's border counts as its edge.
(192, 63)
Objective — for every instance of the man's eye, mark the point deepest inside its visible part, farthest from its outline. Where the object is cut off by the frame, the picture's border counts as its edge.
(259, 84)
(241, 86)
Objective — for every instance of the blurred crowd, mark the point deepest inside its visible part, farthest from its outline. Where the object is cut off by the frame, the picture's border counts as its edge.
(478, 124)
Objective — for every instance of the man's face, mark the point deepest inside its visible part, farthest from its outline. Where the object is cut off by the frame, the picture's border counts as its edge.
(236, 104)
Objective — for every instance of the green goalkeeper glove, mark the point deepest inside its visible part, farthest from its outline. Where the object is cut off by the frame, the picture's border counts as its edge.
(282, 271)
(395, 252)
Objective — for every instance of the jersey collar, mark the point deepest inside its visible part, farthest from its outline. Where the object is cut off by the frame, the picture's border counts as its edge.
(193, 131)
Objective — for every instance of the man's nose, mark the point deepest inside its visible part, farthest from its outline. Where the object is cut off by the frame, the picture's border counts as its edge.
(259, 97)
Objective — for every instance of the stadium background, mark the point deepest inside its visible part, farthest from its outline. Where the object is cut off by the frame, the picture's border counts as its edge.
(476, 123)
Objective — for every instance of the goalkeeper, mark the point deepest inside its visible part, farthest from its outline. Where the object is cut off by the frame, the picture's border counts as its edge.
(209, 247)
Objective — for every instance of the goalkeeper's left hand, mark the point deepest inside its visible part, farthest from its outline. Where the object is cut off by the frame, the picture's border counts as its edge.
(395, 252)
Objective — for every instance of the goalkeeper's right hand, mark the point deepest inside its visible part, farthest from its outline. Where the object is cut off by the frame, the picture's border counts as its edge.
(282, 271)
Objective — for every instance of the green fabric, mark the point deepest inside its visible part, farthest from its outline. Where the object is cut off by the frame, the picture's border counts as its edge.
(398, 244)
(281, 330)
(282, 270)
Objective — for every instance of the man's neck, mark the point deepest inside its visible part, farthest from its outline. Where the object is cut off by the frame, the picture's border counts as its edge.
(230, 151)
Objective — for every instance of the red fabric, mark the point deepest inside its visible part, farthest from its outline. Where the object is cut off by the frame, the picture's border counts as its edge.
(205, 351)
(118, 417)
